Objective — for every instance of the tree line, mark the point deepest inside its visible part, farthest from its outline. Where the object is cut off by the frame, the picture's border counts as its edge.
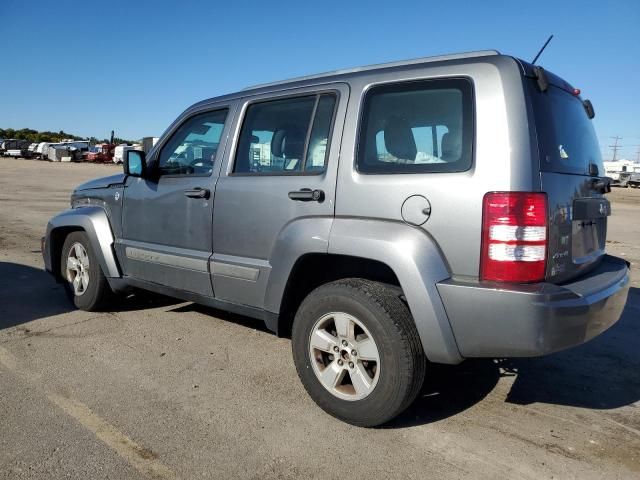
(34, 136)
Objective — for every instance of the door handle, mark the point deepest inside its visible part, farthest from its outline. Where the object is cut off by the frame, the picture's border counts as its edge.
(307, 195)
(197, 192)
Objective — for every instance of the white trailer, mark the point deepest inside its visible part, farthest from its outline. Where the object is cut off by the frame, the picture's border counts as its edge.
(148, 143)
(120, 152)
(41, 150)
(32, 150)
(620, 170)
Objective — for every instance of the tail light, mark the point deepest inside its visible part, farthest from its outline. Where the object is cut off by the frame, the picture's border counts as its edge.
(514, 237)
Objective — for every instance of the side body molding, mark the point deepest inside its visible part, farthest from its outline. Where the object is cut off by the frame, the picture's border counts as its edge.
(95, 222)
(418, 264)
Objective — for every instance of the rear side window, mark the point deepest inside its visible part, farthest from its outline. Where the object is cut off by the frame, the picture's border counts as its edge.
(288, 136)
(417, 127)
(566, 137)
(318, 140)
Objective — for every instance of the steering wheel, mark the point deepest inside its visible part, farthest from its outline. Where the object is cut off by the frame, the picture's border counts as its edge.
(201, 163)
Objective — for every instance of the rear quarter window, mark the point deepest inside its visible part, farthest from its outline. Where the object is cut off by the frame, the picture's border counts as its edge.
(417, 127)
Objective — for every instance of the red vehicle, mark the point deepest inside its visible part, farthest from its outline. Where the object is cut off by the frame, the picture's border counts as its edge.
(104, 154)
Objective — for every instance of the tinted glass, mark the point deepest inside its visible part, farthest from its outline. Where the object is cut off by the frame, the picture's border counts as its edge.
(566, 138)
(417, 127)
(318, 140)
(134, 160)
(274, 135)
(192, 148)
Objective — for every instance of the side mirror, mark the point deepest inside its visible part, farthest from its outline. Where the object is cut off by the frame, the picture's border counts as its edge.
(134, 163)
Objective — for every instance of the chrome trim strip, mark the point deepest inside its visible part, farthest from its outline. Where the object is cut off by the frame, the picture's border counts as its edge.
(235, 271)
(142, 255)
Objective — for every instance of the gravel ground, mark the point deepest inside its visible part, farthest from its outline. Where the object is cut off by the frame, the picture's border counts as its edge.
(164, 389)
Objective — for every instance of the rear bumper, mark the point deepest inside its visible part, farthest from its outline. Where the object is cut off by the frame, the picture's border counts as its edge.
(494, 320)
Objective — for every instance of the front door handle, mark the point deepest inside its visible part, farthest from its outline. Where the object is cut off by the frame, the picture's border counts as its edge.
(307, 195)
(197, 192)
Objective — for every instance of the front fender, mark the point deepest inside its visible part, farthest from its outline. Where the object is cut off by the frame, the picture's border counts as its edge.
(417, 262)
(94, 221)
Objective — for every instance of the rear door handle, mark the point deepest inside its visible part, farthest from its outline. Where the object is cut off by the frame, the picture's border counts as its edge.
(307, 195)
(197, 192)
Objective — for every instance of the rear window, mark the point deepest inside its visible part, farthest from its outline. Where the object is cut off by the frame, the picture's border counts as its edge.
(286, 136)
(566, 138)
(417, 127)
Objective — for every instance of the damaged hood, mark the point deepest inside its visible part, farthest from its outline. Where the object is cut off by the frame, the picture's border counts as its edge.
(103, 182)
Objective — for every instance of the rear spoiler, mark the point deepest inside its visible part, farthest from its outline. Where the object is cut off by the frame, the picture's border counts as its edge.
(544, 78)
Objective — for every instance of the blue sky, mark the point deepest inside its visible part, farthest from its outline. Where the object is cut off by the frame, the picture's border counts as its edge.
(88, 67)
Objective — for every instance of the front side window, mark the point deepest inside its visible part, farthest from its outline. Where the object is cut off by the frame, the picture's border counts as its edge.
(192, 148)
(285, 136)
(417, 127)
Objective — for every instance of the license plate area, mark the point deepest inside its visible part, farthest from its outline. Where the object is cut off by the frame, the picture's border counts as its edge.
(588, 239)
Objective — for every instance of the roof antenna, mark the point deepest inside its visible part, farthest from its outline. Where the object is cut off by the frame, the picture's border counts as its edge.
(542, 49)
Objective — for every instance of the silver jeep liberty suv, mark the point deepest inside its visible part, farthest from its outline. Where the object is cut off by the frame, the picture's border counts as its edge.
(385, 217)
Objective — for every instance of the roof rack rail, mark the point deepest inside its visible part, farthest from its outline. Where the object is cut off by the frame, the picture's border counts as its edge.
(401, 63)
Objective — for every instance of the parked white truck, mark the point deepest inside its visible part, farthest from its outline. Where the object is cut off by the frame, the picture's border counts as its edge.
(621, 171)
(120, 152)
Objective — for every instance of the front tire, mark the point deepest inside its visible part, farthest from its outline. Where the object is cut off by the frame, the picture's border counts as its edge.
(85, 284)
(357, 351)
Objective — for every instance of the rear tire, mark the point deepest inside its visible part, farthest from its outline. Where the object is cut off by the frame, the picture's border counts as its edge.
(379, 366)
(85, 283)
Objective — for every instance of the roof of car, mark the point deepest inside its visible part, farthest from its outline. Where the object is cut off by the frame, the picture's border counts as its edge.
(378, 66)
(336, 74)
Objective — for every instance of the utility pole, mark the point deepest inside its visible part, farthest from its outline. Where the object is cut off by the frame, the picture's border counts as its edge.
(615, 147)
